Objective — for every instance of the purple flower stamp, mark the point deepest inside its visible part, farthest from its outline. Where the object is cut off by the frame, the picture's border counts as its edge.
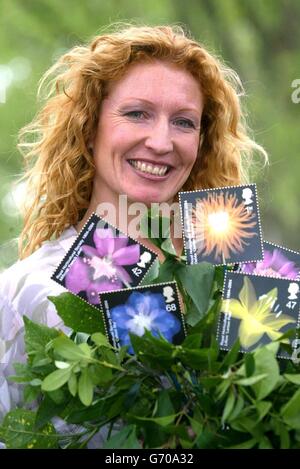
(278, 262)
(153, 308)
(102, 259)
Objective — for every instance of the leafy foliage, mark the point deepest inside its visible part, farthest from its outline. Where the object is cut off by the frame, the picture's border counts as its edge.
(173, 396)
(258, 39)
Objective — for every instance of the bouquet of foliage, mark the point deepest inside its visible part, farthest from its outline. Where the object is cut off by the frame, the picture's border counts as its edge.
(191, 395)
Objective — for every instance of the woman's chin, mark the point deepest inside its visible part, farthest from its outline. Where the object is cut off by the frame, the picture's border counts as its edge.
(147, 198)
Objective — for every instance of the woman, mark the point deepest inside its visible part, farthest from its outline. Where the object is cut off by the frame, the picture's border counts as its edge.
(143, 112)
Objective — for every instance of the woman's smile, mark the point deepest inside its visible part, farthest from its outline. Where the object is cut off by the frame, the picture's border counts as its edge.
(147, 167)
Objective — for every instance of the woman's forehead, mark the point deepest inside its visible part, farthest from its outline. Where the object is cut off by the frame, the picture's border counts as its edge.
(150, 80)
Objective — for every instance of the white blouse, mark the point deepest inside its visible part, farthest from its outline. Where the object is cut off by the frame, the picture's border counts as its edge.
(24, 288)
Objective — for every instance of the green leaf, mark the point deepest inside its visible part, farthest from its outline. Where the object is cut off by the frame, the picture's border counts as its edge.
(186, 444)
(231, 356)
(38, 363)
(266, 363)
(100, 339)
(222, 388)
(211, 382)
(36, 382)
(164, 404)
(219, 276)
(245, 445)
(124, 439)
(31, 393)
(252, 380)
(207, 323)
(47, 410)
(167, 246)
(192, 341)
(163, 421)
(87, 350)
(197, 280)
(56, 379)
(152, 274)
(197, 426)
(198, 359)
(132, 395)
(148, 348)
(18, 431)
(290, 412)
(249, 364)
(237, 408)
(85, 388)
(78, 314)
(205, 439)
(58, 396)
(245, 424)
(262, 408)
(292, 378)
(72, 384)
(79, 413)
(283, 435)
(265, 443)
(100, 374)
(167, 270)
(37, 336)
(228, 406)
(61, 365)
(68, 350)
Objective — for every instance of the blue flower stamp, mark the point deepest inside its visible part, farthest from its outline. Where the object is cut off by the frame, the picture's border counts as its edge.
(153, 308)
(102, 258)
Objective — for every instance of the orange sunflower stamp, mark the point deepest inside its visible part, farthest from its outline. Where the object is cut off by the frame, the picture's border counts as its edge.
(221, 226)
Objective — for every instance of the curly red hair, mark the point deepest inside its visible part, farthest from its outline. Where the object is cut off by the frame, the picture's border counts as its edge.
(59, 163)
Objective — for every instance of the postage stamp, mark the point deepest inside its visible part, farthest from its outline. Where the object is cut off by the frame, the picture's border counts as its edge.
(155, 308)
(102, 258)
(257, 310)
(278, 262)
(221, 226)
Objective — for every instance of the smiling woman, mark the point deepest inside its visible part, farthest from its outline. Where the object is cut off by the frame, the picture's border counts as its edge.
(148, 131)
(143, 112)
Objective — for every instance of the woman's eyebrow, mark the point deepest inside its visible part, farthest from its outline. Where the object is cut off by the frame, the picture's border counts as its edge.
(132, 100)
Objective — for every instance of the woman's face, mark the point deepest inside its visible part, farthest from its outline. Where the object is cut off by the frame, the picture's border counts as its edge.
(148, 134)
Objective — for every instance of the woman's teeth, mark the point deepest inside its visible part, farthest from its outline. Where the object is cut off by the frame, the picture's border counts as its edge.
(149, 168)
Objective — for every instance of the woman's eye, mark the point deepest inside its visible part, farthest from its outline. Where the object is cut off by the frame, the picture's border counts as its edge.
(135, 114)
(185, 123)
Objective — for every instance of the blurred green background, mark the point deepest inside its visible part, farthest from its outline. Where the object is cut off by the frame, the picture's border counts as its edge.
(260, 39)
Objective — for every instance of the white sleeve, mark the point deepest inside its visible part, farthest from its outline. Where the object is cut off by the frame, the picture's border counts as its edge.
(23, 291)
(11, 351)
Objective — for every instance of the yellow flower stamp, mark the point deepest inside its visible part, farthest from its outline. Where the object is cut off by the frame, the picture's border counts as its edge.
(257, 310)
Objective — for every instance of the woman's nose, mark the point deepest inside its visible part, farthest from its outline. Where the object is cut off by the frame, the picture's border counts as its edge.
(159, 137)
